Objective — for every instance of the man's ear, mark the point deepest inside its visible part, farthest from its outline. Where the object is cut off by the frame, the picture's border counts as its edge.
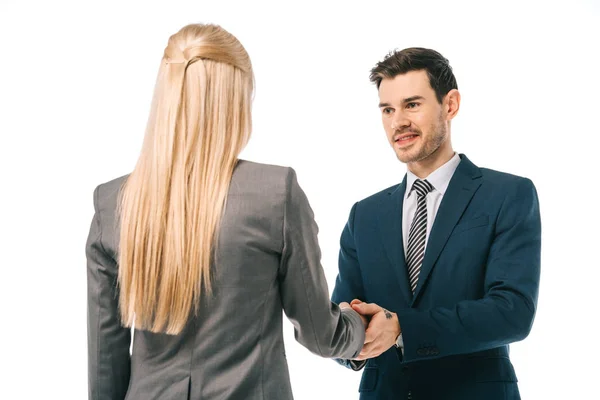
(451, 104)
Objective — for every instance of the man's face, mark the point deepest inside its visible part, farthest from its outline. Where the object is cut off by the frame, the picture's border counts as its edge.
(414, 121)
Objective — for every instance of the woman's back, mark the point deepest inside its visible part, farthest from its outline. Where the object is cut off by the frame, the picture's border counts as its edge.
(267, 259)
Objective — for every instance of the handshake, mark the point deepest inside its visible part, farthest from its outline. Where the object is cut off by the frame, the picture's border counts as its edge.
(382, 328)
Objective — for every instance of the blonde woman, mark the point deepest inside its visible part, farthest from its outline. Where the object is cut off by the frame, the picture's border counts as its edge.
(200, 251)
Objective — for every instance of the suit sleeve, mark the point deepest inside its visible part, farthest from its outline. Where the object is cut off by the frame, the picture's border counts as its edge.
(348, 284)
(319, 324)
(506, 312)
(108, 341)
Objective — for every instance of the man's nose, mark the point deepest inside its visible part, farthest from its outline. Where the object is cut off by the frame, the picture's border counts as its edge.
(399, 122)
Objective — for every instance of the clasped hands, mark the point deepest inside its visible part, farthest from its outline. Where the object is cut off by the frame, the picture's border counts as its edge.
(381, 328)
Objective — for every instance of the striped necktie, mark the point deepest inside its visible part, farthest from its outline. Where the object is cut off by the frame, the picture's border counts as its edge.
(417, 233)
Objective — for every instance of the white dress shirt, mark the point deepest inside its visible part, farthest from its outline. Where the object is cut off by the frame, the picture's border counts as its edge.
(439, 179)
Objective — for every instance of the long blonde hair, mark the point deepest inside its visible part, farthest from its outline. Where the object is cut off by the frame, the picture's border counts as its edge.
(171, 204)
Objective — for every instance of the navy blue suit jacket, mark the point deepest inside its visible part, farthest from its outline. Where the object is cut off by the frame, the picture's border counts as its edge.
(477, 290)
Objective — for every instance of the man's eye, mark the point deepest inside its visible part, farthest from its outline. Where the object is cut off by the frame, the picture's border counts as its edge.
(412, 105)
(387, 110)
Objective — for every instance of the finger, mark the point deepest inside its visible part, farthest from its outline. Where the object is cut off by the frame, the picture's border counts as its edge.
(366, 308)
(355, 301)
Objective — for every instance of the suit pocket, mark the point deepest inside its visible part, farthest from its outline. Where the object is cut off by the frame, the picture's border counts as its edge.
(471, 223)
(369, 379)
(494, 369)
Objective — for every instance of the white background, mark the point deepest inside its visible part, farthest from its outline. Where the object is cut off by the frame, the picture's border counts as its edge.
(76, 80)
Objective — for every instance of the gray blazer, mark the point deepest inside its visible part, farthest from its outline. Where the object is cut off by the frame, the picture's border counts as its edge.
(268, 261)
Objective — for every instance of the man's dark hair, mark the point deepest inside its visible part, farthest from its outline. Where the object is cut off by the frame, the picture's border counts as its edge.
(441, 77)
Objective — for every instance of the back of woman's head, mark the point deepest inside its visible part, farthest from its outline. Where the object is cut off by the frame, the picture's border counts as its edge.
(171, 204)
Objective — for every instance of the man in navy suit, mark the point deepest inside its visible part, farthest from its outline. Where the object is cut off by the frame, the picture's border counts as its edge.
(447, 263)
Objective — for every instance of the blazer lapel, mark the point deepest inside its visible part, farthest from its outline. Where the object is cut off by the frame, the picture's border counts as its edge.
(390, 223)
(460, 191)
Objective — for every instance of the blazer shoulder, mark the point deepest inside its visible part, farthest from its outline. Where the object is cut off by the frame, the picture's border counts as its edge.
(254, 177)
(374, 199)
(106, 193)
(504, 178)
(256, 169)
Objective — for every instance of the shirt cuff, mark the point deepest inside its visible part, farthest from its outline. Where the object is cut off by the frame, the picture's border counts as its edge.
(357, 365)
(400, 343)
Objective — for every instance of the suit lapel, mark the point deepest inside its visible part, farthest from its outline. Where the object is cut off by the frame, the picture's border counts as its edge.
(390, 223)
(460, 191)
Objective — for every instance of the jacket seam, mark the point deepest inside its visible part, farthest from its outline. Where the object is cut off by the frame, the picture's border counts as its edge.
(99, 238)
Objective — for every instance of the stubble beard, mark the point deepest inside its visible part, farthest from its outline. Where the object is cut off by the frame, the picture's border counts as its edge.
(430, 146)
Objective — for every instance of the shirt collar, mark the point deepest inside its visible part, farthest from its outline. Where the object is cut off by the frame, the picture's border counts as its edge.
(439, 179)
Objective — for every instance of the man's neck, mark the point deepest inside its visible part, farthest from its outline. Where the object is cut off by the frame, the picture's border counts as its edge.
(425, 167)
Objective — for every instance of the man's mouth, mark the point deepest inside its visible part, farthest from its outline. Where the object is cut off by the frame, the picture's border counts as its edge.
(407, 137)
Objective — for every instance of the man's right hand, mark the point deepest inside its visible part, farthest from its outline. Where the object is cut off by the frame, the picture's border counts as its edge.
(382, 332)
